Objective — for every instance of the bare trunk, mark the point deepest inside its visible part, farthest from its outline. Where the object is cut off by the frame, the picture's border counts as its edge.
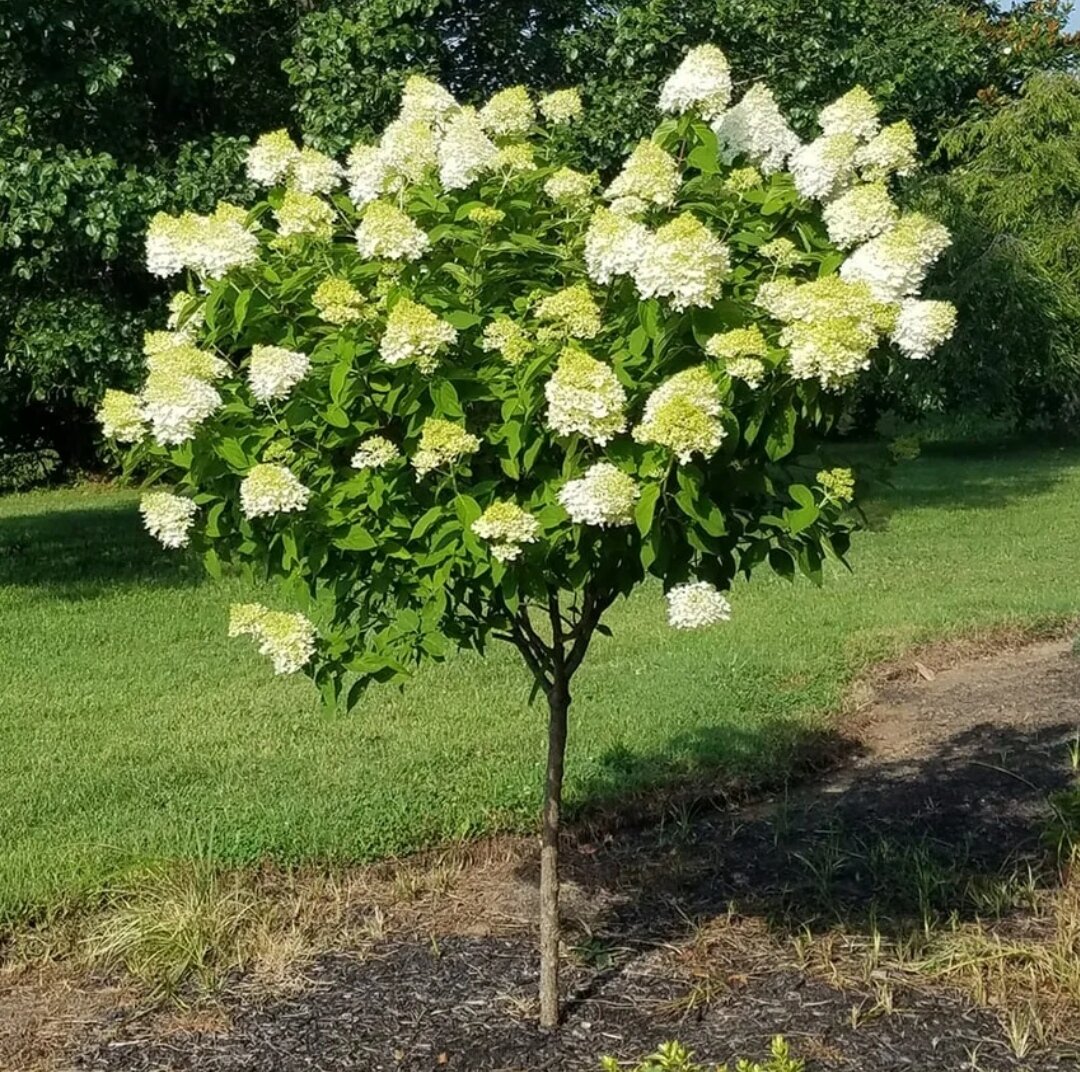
(558, 704)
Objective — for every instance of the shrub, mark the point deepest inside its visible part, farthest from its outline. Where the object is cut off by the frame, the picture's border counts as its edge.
(476, 399)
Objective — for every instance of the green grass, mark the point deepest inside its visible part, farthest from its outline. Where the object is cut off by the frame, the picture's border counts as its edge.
(132, 730)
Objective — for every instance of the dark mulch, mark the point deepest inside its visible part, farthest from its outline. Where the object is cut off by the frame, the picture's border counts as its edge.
(414, 1009)
(949, 790)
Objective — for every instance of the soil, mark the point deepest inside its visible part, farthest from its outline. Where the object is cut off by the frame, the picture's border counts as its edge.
(696, 925)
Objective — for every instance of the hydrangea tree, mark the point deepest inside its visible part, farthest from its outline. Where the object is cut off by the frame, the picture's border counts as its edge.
(456, 390)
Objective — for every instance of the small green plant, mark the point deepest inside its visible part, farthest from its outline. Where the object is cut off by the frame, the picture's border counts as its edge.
(672, 1057)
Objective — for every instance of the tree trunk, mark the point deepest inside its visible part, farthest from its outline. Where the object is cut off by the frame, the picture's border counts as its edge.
(558, 704)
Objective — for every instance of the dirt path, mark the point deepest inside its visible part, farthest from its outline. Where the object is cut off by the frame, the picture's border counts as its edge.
(719, 927)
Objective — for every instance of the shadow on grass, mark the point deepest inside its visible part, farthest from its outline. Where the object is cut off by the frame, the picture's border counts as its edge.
(892, 848)
(969, 477)
(82, 554)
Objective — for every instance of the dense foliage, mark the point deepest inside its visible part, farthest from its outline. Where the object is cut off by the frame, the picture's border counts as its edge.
(108, 111)
(113, 109)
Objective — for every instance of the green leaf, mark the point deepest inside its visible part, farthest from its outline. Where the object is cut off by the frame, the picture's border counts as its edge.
(646, 508)
(212, 564)
(649, 315)
(356, 539)
(429, 518)
(212, 527)
(638, 342)
(782, 563)
(336, 416)
(704, 159)
(781, 439)
(799, 520)
(240, 309)
(461, 319)
(445, 398)
(338, 379)
(468, 510)
(234, 454)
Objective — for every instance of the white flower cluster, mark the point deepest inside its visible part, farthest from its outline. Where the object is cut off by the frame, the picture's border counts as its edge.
(569, 187)
(375, 452)
(170, 351)
(121, 417)
(860, 214)
(613, 245)
(509, 113)
(891, 152)
(748, 369)
(561, 106)
(755, 129)
(604, 496)
(271, 157)
(895, 263)
(650, 175)
(274, 371)
(408, 153)
(922, 326)
(288, 639)
(175, 403)
(209, 245)
(338, 301)
(168, 517)
(682, 414)
(314, 172)
(684, 262)
(507, 526)
(701, 82)
(572, 311)
(825, 167)
(854, 113)
(442, 444)
(465, 152)
(414, 332)
(832, 326)
(427, 101)
(386, 231)
(271, 489)
(506, 338)
(696, 605)
(304, 214)
(584, 396)
(737, 342)
(367, 173)
(276, 158)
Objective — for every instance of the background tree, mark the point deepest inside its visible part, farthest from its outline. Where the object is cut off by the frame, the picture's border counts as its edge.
(477, 399)
(929, 67)
(1009, 189)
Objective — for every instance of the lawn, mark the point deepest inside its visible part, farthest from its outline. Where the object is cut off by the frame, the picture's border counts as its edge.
(131, 728)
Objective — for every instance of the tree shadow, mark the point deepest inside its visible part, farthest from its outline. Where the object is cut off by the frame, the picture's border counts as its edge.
(887, 849)
(83, 554)
(968, 476)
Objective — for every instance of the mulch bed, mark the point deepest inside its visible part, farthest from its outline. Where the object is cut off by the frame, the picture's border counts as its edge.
(952, 771)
